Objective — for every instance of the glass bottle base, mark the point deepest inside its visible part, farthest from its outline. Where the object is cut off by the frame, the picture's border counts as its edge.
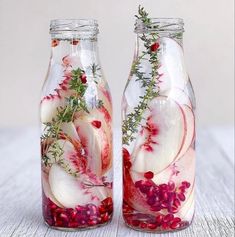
(77, 228)
(157, 231)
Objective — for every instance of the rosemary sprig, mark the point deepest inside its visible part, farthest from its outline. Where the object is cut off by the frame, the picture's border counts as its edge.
(132, 121)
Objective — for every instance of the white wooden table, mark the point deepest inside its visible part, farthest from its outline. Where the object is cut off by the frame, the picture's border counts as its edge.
(20, 190)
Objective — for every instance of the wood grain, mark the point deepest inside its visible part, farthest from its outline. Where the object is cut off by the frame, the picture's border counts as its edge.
(20, 190)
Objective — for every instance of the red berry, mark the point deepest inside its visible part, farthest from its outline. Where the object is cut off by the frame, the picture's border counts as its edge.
(154, 47)
(83, 78)
(96, 123)
(148, 175)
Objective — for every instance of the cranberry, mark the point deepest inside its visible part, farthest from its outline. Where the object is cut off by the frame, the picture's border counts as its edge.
(149, 175)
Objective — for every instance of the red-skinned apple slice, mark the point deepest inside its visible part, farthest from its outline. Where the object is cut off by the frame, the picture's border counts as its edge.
(71, 191)
(161, 138)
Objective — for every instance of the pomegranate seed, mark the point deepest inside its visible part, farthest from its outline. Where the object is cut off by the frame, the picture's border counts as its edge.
(176, 202)
(74, 42)
(96, 123)
(168, 218)
(175, 225)
(164, 226)
(181, 197)
(176, 219)
(148, 175)
(92, 222)
(152, 226)
(159, 219)
(154, 47)
(105, 217)
(186, 184)
(156, 208)
(143, 225)
(135, 223)
(54, 42)
(83, 78)
(73, 225)
(151, 201)
(171, 186)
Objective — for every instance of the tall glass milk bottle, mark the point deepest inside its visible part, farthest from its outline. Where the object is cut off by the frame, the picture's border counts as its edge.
(76, 139)
(158, 131)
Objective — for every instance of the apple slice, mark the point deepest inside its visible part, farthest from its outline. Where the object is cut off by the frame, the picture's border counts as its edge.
(69, 130)
(68, 153)
(47, 189)
(173, 70)
(179, 96)
(96, 140)
(49, 106)
(161, 138)
(190, 130)
(71, 191)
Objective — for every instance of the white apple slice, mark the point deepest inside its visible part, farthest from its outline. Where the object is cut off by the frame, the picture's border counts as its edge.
(172, 69)
(182, 170)
(190, 130)
(49, 106)
(186, 211)
(96, 143)
(71, 191)
(69, 154)
(179, 96)
(70, 130)
(161, 138)
(47, 189)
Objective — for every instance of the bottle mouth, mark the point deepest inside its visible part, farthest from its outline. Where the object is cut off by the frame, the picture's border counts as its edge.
(74, 25)
(160, 25)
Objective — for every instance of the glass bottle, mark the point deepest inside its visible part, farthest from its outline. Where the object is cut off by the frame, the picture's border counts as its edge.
(76, 139)
(158, 131)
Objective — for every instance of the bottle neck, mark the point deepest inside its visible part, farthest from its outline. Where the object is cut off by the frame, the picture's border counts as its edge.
(80, 51)
(141, 44)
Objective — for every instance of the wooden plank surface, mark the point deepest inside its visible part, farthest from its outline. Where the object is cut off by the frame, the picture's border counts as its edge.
(20, 190)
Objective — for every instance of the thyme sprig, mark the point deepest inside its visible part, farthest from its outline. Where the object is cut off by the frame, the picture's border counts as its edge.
(149, 82)
(74, 103)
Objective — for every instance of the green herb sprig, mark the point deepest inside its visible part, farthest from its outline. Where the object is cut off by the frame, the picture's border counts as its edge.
(133, 120)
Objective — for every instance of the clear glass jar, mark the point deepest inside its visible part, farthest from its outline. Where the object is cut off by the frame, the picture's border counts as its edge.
(158, 131)
(76, 140)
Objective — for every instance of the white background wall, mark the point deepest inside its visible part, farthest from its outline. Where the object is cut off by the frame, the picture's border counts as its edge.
(25, 50)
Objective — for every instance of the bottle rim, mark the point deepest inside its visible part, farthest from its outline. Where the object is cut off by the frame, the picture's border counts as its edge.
(162, 24)
(74, 25)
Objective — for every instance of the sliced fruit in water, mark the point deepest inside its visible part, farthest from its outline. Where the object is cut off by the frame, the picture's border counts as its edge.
(96, 139)
(71, 191)
(49, 106)
(161, 138)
